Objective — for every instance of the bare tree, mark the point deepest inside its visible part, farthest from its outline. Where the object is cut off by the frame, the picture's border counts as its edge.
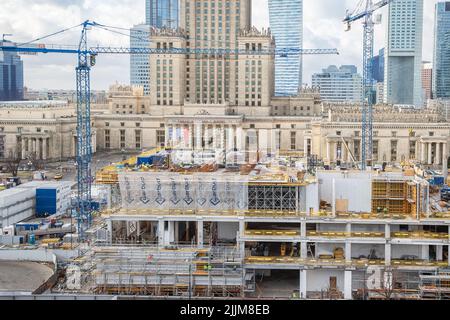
(12, 162)
(38, 164)
(388, 283)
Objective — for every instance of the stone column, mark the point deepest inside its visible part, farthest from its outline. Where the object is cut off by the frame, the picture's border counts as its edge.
(206, 136)
(444, 154)
(166, 137)
(328, 151)
(198, 136)
(23, 149)
(422, 152)
(44, 148)
(437, 160)
(230, 137)
(222, 137)
(430, 149)
(174, 136)
(239, 133)
(30, 146)
(305, 147)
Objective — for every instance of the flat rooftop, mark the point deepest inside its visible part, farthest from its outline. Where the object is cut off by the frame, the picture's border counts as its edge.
(21, 276)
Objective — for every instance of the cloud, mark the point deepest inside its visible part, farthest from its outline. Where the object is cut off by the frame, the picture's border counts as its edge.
(30, 19)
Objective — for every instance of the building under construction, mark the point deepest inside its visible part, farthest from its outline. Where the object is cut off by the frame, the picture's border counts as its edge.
(271, 230)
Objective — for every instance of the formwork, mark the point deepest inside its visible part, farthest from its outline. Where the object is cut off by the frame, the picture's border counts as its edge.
(391, 195)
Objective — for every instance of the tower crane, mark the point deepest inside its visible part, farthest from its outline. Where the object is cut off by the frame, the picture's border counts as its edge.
(86, 60)
(365, 11)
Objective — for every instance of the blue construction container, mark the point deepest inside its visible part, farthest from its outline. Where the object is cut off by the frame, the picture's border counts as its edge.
(32, 239)
(437, 181)
(144, 161)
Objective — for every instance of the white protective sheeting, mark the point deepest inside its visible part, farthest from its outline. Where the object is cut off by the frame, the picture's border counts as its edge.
(173, 191)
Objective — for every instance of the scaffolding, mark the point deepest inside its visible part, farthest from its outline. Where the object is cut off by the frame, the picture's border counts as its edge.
(435, 285)
(183, 272)
(273, 197)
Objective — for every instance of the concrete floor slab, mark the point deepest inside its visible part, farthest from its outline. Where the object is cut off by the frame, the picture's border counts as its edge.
(18, 276)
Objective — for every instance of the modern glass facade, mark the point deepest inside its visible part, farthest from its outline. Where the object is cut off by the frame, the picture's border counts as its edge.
(403, 55)
(378, 67)
(342, 84)
(286, 23)
(441, 72)
(140, 63)
(162, 13)
(11, 76)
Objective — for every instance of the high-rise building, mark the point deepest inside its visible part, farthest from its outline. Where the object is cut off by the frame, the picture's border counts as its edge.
(140, 63)
(378, 67)
(286, 23)
(441, 78)
(11, 75)
(213, 83)
(159, 14)
(162, 13)
(342, 84)
(427, 80)
(403, 55)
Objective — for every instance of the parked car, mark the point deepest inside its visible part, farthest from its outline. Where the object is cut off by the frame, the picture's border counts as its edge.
(409, 257)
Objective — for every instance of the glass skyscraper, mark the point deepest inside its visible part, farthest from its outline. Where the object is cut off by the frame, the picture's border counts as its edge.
(159, 14)
(286, 23)
(441, 72)
(11, 75)
(342, 84)
(162, 13)
(403, 55)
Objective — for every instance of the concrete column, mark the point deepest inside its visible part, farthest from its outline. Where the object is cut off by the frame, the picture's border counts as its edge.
(109, 230)
(388, 254)
(425, 252)
(387, 231)
(241, 242)
(200, 233)
(303, 284)
(348, 229)
(348, 251)
(348, 285)
(161, 233)
(438, 158)
(304, 250)
(439, 253)
(430, 146)
(303, 230)
(333, 197)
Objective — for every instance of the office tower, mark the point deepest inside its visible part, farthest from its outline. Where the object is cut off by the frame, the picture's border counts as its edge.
(342, 84)
(140, 63)
(11, 75)
(427, 80)
(403, 56)
(286, 23)
(162, 13)
(441, 77)
(378, 67)
(159, 14)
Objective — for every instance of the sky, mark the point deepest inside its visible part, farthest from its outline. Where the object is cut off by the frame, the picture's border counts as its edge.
(31, 19)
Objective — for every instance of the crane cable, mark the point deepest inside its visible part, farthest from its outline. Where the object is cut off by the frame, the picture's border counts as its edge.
(50, 35)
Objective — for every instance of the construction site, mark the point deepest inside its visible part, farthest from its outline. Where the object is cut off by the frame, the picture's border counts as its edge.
(276, 229)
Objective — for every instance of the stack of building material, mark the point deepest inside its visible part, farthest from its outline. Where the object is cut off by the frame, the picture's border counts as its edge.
(339, 253)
